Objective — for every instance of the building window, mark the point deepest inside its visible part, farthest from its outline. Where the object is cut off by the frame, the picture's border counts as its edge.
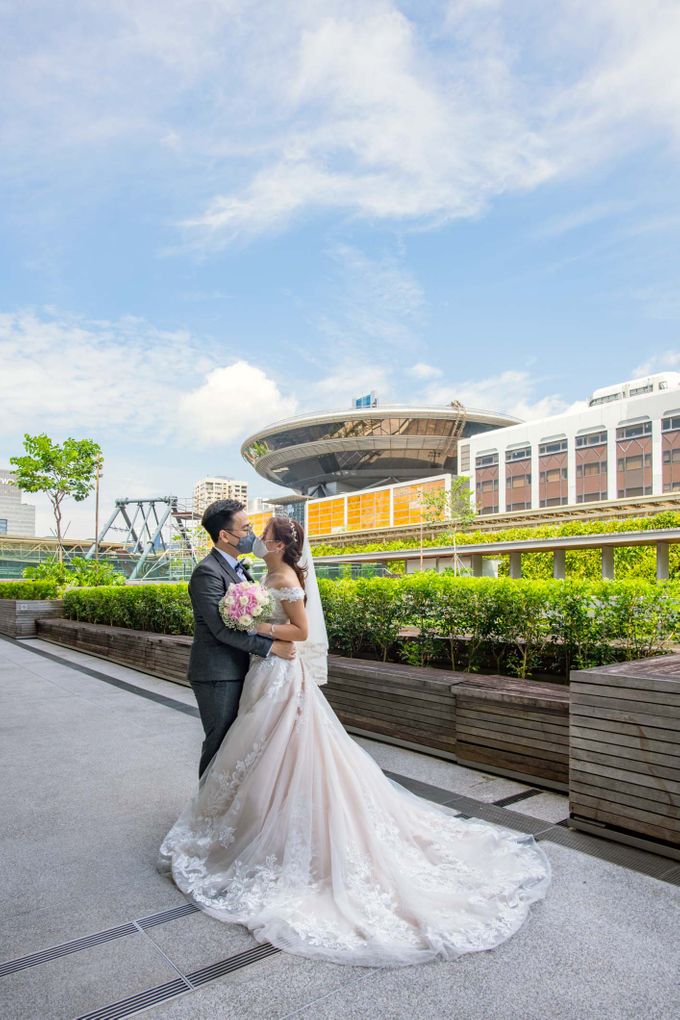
(3, 525)
(636, 431)
(591, 439)
(670, 424)
(558, 446)
(637, 390)
(523, 454)
(487, 460)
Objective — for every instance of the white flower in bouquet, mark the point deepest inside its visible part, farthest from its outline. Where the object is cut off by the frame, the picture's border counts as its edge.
(242, 603)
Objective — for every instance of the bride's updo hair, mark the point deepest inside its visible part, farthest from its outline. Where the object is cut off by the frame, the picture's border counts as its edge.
(292, 534)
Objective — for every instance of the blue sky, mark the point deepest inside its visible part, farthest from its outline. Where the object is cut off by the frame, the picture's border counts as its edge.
(219, 213)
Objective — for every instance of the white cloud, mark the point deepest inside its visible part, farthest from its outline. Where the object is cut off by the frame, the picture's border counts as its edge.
(231, 402)
(663, 361)
(351, 106)
(421, 370)
(512, 392)
(66, 373)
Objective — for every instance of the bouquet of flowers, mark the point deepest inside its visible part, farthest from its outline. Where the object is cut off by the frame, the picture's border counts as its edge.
(244, 605)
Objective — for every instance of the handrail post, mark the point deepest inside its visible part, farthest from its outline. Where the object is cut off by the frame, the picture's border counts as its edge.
(662, 561)
(559, 564)
(607, 563)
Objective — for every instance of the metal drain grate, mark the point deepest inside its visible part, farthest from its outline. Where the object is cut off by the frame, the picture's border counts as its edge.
(500, 816)
(215, 970)
(613, 853)
(514, 798)
(149, 997)
(166, 915)
(65, 948)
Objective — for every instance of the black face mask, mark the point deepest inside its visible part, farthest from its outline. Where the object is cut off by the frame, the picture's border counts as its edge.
(245, 543)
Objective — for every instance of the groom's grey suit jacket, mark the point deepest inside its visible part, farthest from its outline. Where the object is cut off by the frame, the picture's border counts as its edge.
(218, 653)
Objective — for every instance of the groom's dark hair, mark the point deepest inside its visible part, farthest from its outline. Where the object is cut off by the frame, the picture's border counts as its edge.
(219, 516)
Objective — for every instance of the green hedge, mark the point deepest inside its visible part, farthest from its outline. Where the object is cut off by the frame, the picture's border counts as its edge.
(29, 590)
(162, 608)
(515, 627)
(586, 564)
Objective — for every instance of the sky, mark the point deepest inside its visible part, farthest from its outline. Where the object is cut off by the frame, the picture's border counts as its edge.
(219, 213)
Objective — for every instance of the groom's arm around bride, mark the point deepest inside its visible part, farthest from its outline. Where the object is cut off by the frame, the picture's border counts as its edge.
(220, 657)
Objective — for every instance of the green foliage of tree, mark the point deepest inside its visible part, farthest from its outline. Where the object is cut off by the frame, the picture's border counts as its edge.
(77, 573)
(60, 471)
(629, 562)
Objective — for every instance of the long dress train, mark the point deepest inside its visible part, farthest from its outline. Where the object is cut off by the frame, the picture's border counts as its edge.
(295, 832)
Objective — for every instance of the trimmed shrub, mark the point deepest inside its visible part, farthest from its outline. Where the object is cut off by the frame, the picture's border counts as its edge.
(516, 627)
(163, 608)
(29, 590)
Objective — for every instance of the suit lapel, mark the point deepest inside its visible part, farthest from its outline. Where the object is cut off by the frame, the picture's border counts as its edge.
(226, 567)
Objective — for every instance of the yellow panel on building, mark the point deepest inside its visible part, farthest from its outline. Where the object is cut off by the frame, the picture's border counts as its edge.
(326, 516)
(259, 520)
(408, 502)
(368, 510)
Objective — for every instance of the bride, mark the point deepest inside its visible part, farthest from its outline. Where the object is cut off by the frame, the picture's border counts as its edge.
(295, 832)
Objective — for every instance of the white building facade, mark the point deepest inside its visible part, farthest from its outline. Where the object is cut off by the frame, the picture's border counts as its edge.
(625, 443)
(16, 518)
(218, 487)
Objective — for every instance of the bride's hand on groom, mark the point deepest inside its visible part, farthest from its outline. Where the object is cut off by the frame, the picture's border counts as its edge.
(284, 649)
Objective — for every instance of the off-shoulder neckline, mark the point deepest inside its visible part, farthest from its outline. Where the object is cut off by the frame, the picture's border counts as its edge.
(292, 587)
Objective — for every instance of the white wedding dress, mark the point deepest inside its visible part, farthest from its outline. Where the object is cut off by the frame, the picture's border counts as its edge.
(296, 833)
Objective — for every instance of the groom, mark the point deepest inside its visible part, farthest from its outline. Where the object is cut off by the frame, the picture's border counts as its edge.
(219, 657)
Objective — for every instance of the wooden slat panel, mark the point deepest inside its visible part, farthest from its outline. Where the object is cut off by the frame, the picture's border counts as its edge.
(624, 742)
(642, 768)
(657, 801)
(635, 718)
(666, 711)
(670, 835)
(627, 753)
(585, 768)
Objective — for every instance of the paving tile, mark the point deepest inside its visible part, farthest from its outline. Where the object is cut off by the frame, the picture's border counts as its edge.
(552, 807)
(83, 981)
(268, 990)
(199, 940)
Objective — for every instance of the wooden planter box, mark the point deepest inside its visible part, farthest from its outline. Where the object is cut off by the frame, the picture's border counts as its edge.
(18, 617)
(625, 752)
(162, 655)
(511, 727)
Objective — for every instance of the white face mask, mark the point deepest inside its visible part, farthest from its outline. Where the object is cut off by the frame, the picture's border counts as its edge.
(260, 548)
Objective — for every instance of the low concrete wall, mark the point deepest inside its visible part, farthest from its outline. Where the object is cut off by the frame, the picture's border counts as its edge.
(511, 727)
(18, 617)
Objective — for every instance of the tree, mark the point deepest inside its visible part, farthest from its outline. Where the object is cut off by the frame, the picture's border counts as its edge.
(453, 504)
(61, 472)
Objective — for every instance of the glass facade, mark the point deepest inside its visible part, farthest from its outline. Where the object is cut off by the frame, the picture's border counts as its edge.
(391, 506)
(398, 447)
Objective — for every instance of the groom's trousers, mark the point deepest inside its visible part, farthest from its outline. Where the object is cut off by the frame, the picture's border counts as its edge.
(218, 707)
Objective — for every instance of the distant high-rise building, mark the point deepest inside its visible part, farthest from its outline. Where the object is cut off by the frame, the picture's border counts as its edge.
(16, 518)
(218, 487)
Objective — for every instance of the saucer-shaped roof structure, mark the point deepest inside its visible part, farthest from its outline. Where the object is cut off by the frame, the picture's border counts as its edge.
(342, 451)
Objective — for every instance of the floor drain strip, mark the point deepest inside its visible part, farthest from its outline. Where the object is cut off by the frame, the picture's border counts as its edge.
(166, 915)
(215, 970)
(136, 1003)
(45, 955)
